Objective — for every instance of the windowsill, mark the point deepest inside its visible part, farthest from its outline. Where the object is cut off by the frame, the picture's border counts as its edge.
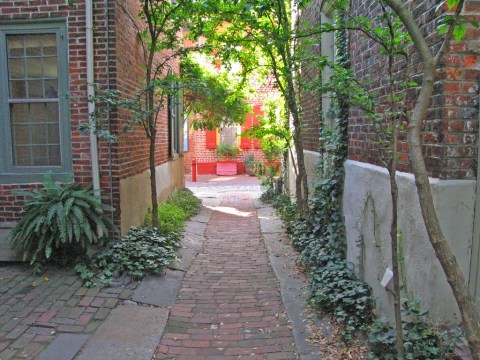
(36, 178)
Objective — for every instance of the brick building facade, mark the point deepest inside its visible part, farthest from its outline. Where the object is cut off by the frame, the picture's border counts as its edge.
(48, 38)
(202, 143)
(450, 142)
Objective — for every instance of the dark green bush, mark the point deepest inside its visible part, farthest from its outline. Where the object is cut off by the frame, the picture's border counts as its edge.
(59, 222)
(422, 341)
(142, 251)
(335, 287)
(333, 284)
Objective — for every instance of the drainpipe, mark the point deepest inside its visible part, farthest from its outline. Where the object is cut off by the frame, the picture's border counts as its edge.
(91, 94)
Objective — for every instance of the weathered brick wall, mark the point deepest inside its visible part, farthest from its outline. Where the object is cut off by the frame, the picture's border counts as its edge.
(134, 146)
(117, 59)
(25, 11)
(450, 131)
(311, 102)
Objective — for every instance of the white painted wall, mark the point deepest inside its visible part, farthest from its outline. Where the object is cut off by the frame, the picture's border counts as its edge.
(367, 210)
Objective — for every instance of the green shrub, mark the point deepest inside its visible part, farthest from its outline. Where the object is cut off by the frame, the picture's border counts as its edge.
(171, 218)
(142, 251)
(226, 151)
(186, 201)
(335, 287)
(59, 222)
(422, 341)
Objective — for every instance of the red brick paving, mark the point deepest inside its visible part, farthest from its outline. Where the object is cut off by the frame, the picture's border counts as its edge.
(229, 306)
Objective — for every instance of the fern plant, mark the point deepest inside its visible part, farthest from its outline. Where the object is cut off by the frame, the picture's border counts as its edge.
(59, 221)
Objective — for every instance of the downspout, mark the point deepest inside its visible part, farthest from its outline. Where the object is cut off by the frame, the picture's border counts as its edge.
(91, 95)
(109, 124)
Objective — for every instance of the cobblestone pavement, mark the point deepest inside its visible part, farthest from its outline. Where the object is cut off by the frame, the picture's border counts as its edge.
(34, 309)
(229, 306)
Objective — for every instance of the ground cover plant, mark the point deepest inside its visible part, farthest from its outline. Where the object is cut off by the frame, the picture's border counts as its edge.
(60, 221)
(143, 251)
(335, 288)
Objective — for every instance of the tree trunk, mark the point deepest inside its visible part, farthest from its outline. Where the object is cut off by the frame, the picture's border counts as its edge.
(301, 183)
(455, 277)
(394, 246)
(153, 179)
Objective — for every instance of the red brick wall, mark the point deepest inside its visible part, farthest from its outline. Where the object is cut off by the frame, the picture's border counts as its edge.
(207, 158)
(450, 131)
(134, 146)
(15, 10)
(119, 66)
(311, 102)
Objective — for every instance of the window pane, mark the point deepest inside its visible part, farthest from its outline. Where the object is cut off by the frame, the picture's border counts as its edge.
(21, 134)
(15, 45)
(33, 45)
(39, 134)
(35, 88)
(34, 68)
(51, 89)
(16, 69)
(54, 155)
(51, 112)
(50, 67)
(21, 156)
(18, 89)
(49, 44)
(53, 134)
(38, 111)
(228, 136)
(19, 113)
(40, 156)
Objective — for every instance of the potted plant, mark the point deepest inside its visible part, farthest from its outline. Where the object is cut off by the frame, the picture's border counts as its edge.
(225, 151)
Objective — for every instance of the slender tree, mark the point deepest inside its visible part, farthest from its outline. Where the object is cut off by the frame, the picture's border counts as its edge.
(455, 277)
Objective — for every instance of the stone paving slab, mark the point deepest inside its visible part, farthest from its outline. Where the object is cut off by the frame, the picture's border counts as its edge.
(130, 332)
(269, 223)
(293, 286)
(64, 347)
(159, 290)
(36, 309)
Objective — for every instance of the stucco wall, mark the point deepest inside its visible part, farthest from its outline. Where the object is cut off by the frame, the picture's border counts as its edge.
(311, 165)
(367, 210)
(135, 191)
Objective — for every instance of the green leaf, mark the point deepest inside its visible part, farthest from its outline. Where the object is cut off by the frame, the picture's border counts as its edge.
(459, 32)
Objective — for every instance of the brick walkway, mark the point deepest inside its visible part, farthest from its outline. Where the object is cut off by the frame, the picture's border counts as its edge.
(34, 309)
(229, 306)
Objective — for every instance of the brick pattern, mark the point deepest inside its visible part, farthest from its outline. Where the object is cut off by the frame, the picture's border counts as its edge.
(229, 306)
(34, 309)
(450, 130)
(197, 139)
(25, 11)
(311, 102)
(118, 65)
